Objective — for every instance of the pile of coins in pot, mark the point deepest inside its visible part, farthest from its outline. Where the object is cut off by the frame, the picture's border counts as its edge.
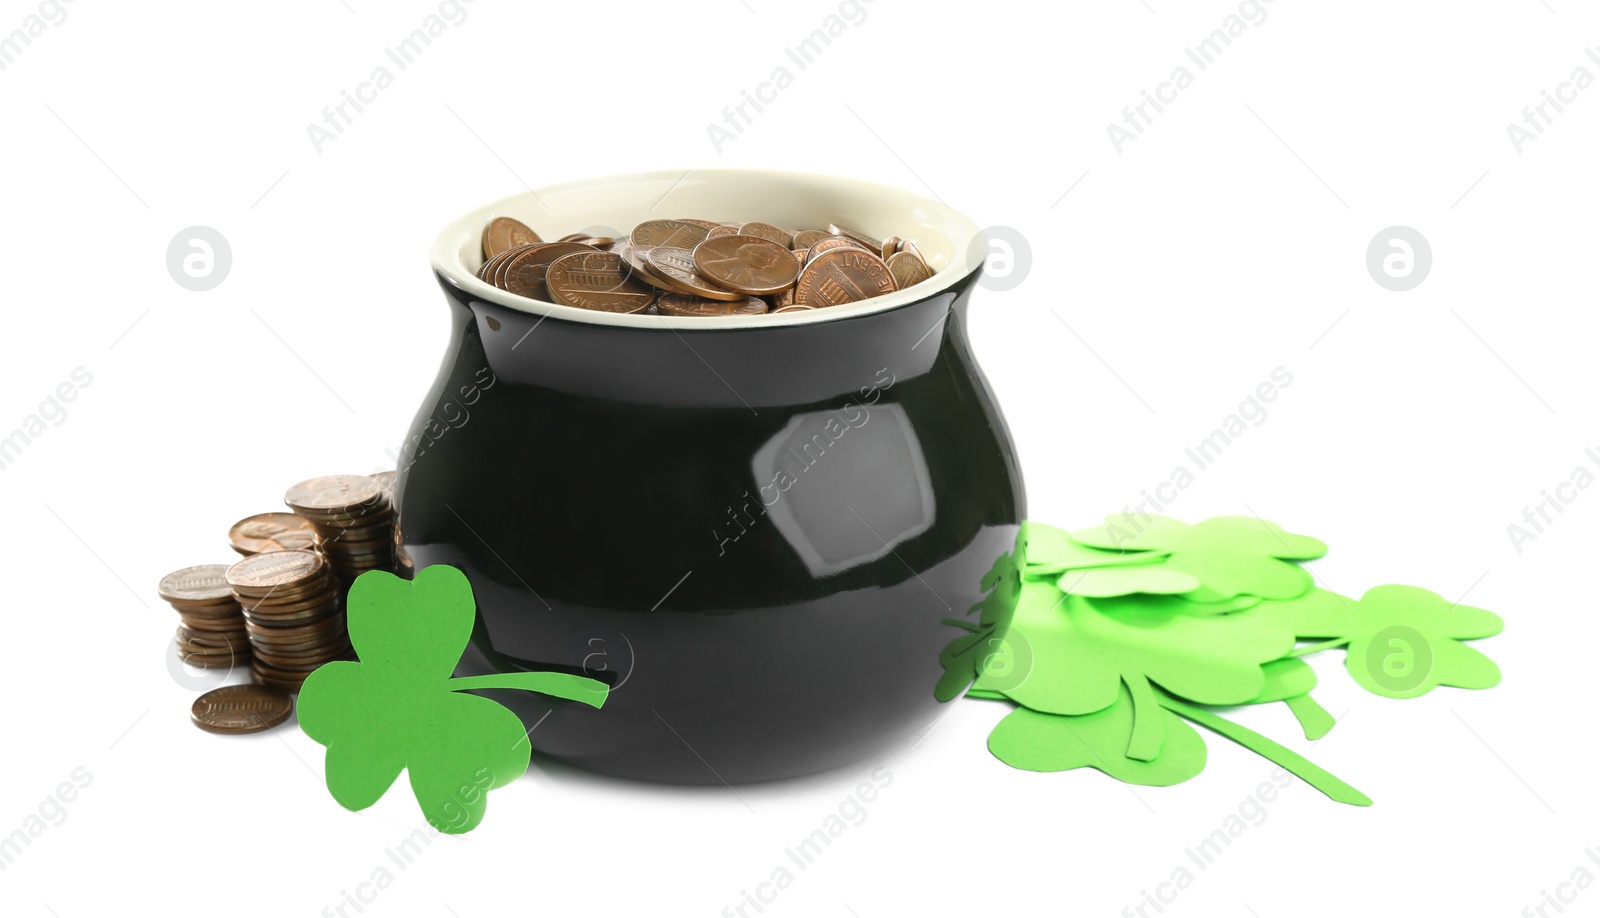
(700, 268)
(213, 631)
(281, 608)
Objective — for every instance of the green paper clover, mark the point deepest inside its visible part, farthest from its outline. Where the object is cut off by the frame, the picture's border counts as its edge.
(1033, 741)
(963, 658)
(399, 708)
(1400, 641)
(1083, 654)
(1052, 551)
(1117, 680)
(1228, 555)
(1123, 580)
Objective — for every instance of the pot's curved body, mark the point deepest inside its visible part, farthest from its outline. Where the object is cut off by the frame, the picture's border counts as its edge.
(764, 538)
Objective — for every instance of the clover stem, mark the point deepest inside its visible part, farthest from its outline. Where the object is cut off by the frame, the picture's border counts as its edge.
(1292, 762)
(1313, 648)
(1145, 743)
(1313, 717)
(591, 692)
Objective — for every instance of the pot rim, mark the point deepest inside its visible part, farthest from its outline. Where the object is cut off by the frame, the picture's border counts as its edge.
(944, 235)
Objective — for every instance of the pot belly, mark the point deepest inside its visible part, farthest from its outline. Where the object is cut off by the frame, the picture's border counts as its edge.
(768, 590)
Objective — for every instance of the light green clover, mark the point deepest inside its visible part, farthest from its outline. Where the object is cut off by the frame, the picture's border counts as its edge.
(1033, 741)
(1084, 652)
(1400, 641)
(1228, 555)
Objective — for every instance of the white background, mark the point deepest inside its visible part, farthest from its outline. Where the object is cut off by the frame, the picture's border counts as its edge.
(1167, 282)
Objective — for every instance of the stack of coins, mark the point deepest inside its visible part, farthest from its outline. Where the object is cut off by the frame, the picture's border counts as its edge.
(213, 632)
(292, 614)
(353, 521)
(271, 532)
(691, 267)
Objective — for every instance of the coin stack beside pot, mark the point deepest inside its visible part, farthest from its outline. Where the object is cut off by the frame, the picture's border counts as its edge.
(353, 520)
(213, 634)
(292, 614)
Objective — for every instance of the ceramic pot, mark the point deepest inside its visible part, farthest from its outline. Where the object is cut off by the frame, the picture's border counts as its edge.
(783, 539)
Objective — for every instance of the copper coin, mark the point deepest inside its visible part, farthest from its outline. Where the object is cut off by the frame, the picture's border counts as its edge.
(683, 304)
(709, 225)
(668, 232)
(307, 617)
(861, 239)
(486, 270)
(497, 276)
(334, 492)
(275, 569)
(844, 275)
(271, 532)
(748, 264)
(302, 662)
(906, 245)
(217, 628)
(216, 612)
(890, 246)
(208, 644)
(907, 269)
(503, 232)
(210, 661)
(370, 513)
(282, 678)
(640, 269)
(305, 612)
(599, 281)
(227, 647)
(377, 526)
(202, 583)
(241, 709)
(251, 597)
(829, 244)
(301, 643)
(525, 272)
(805, 239)
(293, 634)
(726, 229)
(768, 232)
(677, 266)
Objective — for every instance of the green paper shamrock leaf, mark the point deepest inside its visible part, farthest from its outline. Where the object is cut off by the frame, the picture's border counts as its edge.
(1400, 641)
(1052, 551)
(963, 657)
(1228, 555)
(1034, 741)
(1106, 582)
(1083, 653)
(399, 708)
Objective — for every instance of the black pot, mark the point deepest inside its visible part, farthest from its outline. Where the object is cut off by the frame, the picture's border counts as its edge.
(782, 539)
